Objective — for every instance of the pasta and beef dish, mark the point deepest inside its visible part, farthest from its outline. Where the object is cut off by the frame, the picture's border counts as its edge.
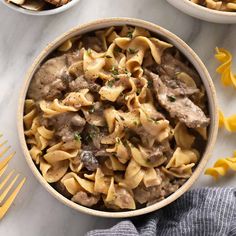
(223, 5)
(116, 119)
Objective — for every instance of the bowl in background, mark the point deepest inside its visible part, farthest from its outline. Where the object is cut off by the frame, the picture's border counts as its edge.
(43, 12)
(165, 35)
(204, 13)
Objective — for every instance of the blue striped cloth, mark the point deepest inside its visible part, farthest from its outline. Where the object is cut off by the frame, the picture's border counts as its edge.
(199, 212)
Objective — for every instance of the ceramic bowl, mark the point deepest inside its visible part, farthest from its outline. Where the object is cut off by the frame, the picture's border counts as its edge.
(204, 13)
(43, 12)
(164, 34)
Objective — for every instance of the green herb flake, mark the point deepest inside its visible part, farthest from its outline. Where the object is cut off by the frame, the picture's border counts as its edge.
(110, 83)
(135, 122)
(132, 50)
(114, 71)
(94, 132)
(130, 34)
(128, 73)
(171, 98)
(117, 50)
(91, 110)
(77, 137)
(150, 83)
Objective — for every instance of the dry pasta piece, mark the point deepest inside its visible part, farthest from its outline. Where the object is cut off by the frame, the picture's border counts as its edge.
(222, 166)
(228, 122)
(225, 58)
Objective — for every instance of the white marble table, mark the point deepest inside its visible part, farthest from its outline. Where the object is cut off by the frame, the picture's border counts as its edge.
(22, 37)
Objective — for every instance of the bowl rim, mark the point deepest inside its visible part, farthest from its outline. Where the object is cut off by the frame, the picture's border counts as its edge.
(43, 12)
(95, 25)
(210, 11)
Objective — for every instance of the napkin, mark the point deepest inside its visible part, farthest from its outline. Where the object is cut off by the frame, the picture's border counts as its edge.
(199, 212)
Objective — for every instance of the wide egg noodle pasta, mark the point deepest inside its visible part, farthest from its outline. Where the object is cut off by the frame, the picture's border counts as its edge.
(183, 138)
(223, 5)
(54, 108)
(104, 136)
(182, 157)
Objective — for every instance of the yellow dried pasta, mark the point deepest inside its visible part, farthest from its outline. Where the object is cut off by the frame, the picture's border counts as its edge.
(222, 166)
(228, 122)
(225, 58)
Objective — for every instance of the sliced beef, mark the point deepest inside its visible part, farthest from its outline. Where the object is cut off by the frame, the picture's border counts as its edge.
(93, 42)
(81, 83)
(178, 87)
(171, 66)
(148, 195)
(66, 125)
(52, 78)
(180, 107)
(60, 187)
(155, 155)
(85, 199)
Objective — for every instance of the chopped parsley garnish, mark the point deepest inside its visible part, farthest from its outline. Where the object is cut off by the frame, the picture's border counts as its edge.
(114, 71)
(150, 83)
(93, 132)
(130, 34)
(91, 110)
(107, 56)
(132, 50)
(135, 122)
(117, 49)
(171, 98)
(77, 137)
(110, 83)
(128, 73)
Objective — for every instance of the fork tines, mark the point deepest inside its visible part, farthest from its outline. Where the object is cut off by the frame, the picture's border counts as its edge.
(4, 206)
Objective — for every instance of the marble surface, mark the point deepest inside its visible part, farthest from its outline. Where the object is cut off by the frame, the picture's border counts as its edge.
(35, 211)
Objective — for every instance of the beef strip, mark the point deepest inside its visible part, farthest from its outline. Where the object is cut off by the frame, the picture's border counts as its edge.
(85, 199)
(66, 125)
(144, 194)
(171, 65)
(178, 107)
(92, 42)
(81, 83)
(52, 78)
(178, 87)
(60, 187)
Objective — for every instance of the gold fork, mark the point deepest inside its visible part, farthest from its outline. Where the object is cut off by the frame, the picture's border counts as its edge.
(3, 166)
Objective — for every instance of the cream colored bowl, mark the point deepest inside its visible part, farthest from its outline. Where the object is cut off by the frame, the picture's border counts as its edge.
(43, 12)
(166, 35)
(204, 13)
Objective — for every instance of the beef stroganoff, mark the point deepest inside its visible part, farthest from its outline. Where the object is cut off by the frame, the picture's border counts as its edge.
(223, 5)
(116, 119)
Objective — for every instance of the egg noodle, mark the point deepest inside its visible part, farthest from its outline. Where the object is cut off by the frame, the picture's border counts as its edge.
(140, 150)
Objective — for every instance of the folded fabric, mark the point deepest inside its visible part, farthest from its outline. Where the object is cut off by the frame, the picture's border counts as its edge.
(199, 212)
